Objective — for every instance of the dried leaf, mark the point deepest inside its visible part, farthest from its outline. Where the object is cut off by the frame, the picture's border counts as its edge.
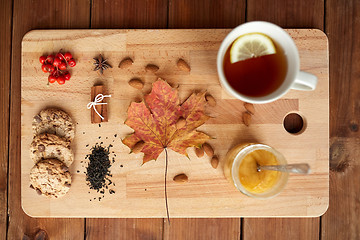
(154, 121)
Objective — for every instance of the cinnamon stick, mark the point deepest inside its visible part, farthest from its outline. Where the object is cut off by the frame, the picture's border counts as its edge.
(102, 109)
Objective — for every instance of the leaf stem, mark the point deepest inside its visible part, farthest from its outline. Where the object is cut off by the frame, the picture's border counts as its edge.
(166, 202)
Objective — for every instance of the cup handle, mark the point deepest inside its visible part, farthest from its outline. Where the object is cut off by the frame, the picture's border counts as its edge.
(305, 82)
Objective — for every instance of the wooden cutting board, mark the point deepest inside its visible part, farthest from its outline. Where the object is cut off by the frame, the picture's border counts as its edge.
(139, 189)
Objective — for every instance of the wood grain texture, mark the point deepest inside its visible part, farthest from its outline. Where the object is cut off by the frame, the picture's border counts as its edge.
(139, 189)
(285, 14)
(343, 146)
(38, 14)
(124, 229)
(202, 228)
(206, 14)
(129, 14)
(5, 59)
(342, 22)
(281, 228)
(341, 221)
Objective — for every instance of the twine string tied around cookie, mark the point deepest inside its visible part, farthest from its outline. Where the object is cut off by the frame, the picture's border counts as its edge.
(97, 101)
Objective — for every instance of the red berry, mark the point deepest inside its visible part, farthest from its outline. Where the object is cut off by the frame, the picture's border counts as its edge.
(49, 67)
(57, 62)
(68, 56)
(42, 59)
(62, 66)
(44, 68)
(50, 58)
(67, 76)
(72, 62)
(60, 80)
(52, 78)
(52, 68)
(59, 55)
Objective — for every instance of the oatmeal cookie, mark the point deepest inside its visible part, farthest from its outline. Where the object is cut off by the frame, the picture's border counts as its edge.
(54, 121)
(48, 145)
(50, 177)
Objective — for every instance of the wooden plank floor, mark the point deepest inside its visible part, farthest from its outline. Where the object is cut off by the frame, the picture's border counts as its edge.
(339, 19)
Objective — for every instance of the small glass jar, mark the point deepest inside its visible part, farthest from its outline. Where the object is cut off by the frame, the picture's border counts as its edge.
(240, 169)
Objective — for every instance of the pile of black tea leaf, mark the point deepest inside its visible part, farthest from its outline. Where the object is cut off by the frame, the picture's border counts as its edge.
(97, 171)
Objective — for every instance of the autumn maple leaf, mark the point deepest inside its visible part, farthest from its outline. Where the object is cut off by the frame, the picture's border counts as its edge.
(154, 122)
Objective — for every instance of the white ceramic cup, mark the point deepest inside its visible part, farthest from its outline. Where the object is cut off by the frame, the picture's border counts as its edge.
(295, 79)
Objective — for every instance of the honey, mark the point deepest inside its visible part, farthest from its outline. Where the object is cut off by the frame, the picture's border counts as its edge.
(240, 169)
(258, 181)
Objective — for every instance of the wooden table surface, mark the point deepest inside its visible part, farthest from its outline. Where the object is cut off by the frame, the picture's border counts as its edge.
(340, 20)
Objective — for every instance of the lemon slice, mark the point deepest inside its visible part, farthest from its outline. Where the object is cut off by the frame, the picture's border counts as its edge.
(251, 45)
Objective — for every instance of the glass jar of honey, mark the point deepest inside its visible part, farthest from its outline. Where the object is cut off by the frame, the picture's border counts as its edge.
(241, 169)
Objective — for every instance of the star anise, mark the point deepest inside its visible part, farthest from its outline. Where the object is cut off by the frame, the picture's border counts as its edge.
(101, 64)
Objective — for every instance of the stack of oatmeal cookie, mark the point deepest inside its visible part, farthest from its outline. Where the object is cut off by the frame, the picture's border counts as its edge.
(50, 150)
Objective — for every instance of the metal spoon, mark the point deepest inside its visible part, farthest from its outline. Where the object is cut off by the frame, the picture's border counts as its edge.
(302, 168)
